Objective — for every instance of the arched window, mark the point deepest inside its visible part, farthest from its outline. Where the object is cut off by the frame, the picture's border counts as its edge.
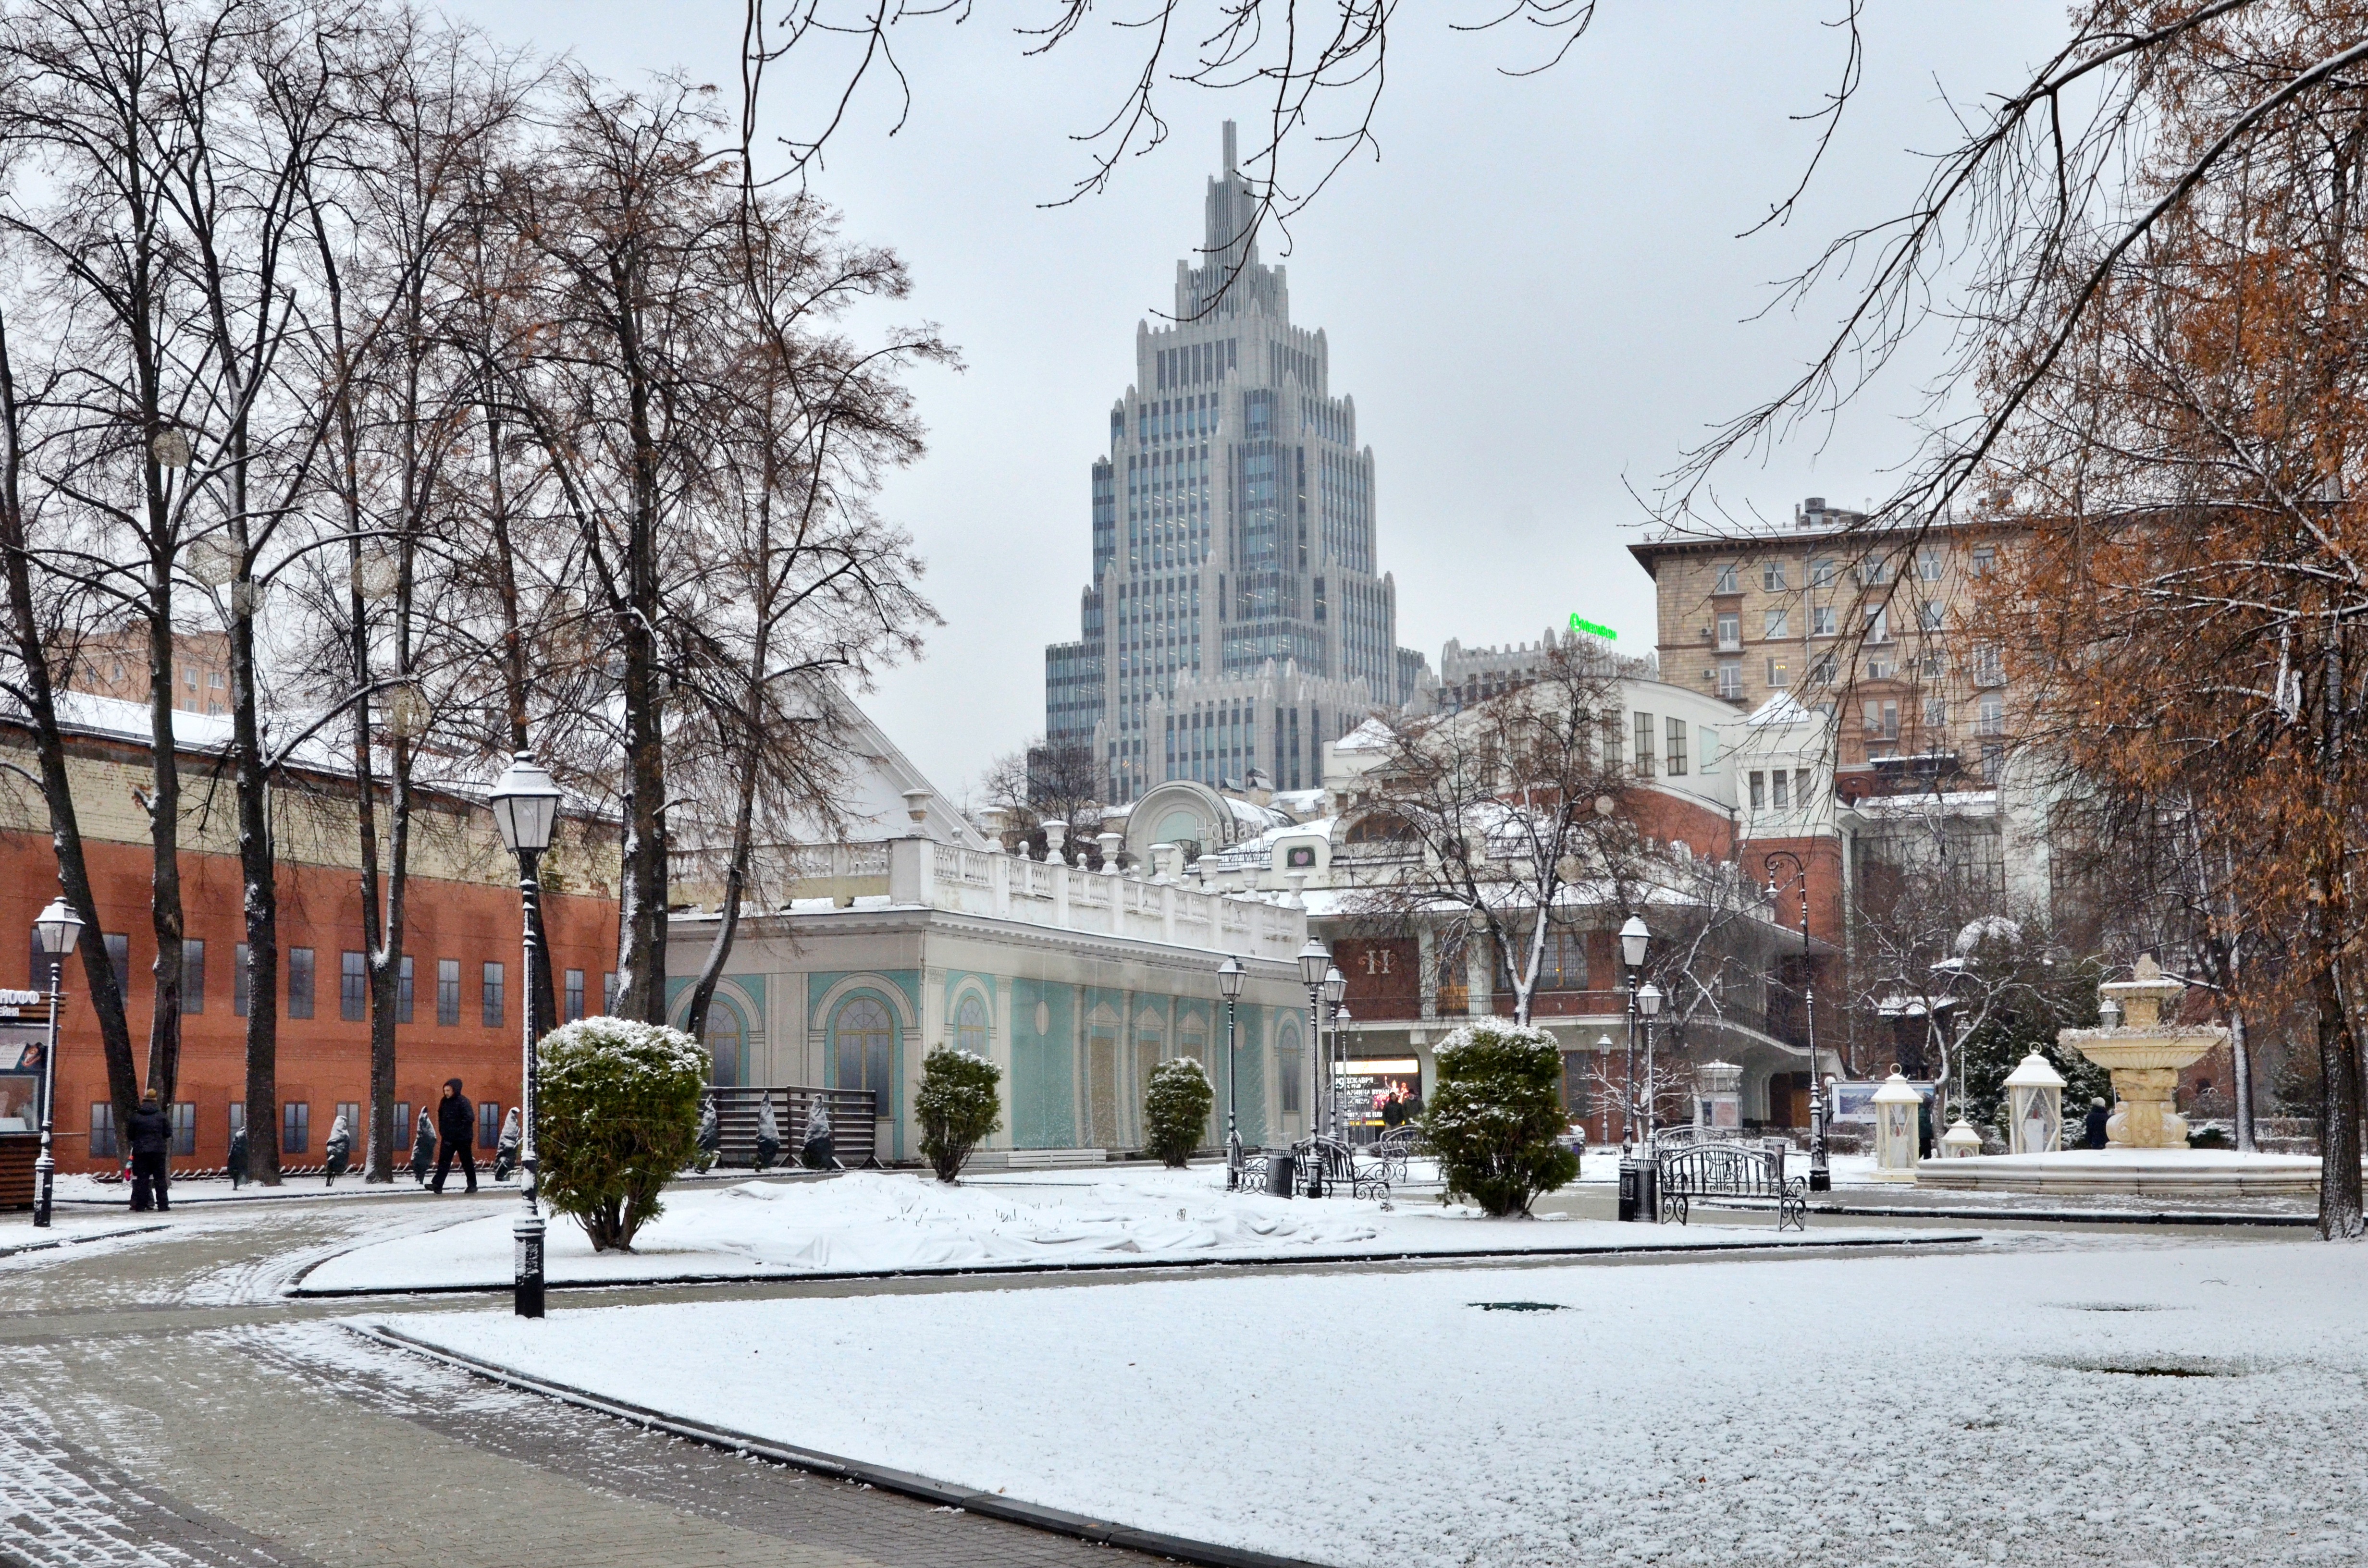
(862, 1042)
(1289, 1067)
(970, 1025)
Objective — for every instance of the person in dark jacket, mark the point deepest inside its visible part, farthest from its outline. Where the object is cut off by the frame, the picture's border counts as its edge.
(456, 1130)
(2093, 1129)
(423, 1147)
(238, 1159)
(149, 1134)
(337, 1151)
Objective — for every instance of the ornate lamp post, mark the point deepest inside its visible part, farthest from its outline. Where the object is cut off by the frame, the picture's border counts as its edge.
(526, 810)
(1230, 975)
(1336, 986)
(1649, 1002)
(1312, 962)
(58, 927)
(1821, 1176)
(1633, 939)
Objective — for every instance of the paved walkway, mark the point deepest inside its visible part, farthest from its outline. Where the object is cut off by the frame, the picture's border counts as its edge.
(165, 1407)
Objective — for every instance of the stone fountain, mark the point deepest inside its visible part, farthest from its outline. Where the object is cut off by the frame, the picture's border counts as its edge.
(2146, 1153)
(2143, 1053)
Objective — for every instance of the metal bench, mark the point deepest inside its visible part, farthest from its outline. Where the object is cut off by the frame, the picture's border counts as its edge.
(1713, 1169)
(1340, 1165)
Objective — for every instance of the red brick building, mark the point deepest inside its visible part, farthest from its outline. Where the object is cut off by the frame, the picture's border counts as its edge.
(462, 942)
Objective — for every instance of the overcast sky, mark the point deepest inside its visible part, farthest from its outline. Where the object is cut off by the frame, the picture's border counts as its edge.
(1535, 295)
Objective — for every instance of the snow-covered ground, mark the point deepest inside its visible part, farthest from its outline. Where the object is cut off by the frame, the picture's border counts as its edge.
(876, 1221)
(2125, 1403)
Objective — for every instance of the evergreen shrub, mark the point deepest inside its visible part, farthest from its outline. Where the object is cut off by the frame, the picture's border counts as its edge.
(1175, 1110)
(618, 1114)
(1496, 1117)
(957, 1106)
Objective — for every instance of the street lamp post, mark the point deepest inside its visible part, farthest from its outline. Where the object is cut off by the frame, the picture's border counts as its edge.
(1633, 939)
(1230, 975)
(1336, 986)
(58, 927)
(1821, 1176)
(526, 810)
(1648, 1002)
(1313, 962)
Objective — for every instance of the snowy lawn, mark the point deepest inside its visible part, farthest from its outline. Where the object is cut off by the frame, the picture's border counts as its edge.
(867, 1221)
(2122, 1403)
(19, 1233)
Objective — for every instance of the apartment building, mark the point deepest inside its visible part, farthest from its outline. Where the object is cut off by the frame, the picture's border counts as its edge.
(1870, 624)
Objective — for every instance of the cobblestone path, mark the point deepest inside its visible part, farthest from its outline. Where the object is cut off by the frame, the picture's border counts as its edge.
(160, 1404)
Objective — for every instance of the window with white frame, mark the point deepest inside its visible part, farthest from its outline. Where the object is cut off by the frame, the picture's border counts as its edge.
(1779, 673)
(1730, 681)
(1928, 615)
(1759, 791)
(1777, 623)
(1936, 713)
(1778, 796)
(1730, 629)
(1726, 582)
(1676, 733)
(1772, 577)
(1823, 622)
(1928, 565)
(1821, 573)
(1993, 715)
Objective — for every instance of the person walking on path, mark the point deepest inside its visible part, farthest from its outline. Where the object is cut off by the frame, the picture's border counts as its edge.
(456, 1130)
(150, 1133)
(2093, 1129)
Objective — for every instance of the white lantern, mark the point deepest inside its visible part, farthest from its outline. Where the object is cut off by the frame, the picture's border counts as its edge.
(1895, 1150)
(2035, 1093)
(1960, 1142)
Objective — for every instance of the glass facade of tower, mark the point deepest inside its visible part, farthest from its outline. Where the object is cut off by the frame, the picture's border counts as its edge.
(1234, 621)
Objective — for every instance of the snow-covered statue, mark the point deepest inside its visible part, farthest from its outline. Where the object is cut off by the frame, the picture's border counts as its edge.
(711, 1134)
(816, 1151)
(768, 1134)
(505, 1153)
(338, 1150)
(423, 1146)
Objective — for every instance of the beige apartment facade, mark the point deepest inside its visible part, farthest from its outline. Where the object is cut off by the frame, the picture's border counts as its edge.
(1870, 624)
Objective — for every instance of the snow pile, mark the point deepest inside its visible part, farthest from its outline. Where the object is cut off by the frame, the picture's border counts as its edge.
(2113, 1402)
(867, 1221)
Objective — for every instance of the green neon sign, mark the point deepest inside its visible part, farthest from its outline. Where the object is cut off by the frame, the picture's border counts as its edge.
(1592, 629)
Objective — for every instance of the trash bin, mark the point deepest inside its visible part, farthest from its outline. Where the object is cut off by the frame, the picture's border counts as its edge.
(1629, 1179)
(1281, 1166)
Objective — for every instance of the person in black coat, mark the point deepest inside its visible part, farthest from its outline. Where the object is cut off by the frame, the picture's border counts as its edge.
(149, 1134)
(2093, 1129)
(456, 1131)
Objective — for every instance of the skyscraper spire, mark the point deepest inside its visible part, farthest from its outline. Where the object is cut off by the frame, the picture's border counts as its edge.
(1238, 618)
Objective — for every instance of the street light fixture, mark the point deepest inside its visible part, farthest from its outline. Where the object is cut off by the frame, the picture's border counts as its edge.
(1313, 961)
(1821, 1176)
(526, 810)
(1230, 975)
(1635, 938)
(1649, 1002)
(1336, 986)
(58, 928)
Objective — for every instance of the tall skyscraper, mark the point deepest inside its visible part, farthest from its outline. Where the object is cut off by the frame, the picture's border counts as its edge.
(1234, 621)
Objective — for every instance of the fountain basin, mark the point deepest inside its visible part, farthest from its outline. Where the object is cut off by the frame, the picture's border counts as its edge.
(2130, 1173)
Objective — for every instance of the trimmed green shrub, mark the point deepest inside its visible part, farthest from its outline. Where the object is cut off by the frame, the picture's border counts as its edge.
(618, 1116)
(1174, 1108)
(1497, 1115)
(957, 1106)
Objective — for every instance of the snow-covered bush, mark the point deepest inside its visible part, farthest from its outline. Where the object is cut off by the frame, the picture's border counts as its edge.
(618, 1116)
(957, 1106)
(1497, 1116)
(1174, 1108)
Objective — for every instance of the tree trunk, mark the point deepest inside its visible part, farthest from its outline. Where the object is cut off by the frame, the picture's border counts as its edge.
(57, 792)
(261, 895)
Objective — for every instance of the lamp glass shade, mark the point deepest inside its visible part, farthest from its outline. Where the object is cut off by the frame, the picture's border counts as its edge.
(1649, 1000)
(58, 927)
(1336, 986)
(525, 804)
(1230, 975)
(1632, 937)
(1312, 962)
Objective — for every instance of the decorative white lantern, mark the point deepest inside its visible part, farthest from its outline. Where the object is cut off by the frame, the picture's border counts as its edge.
(1960, 1142)
(1895, 1150)
(2035, 1093)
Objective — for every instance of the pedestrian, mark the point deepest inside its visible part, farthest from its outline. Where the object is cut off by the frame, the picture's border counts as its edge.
(238, 1159)
(2093, 1129)
(337, 1151)
(151, 1133)
(1394, 1110)
(456, 1128)
(505, 1153)
(423, 1146)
